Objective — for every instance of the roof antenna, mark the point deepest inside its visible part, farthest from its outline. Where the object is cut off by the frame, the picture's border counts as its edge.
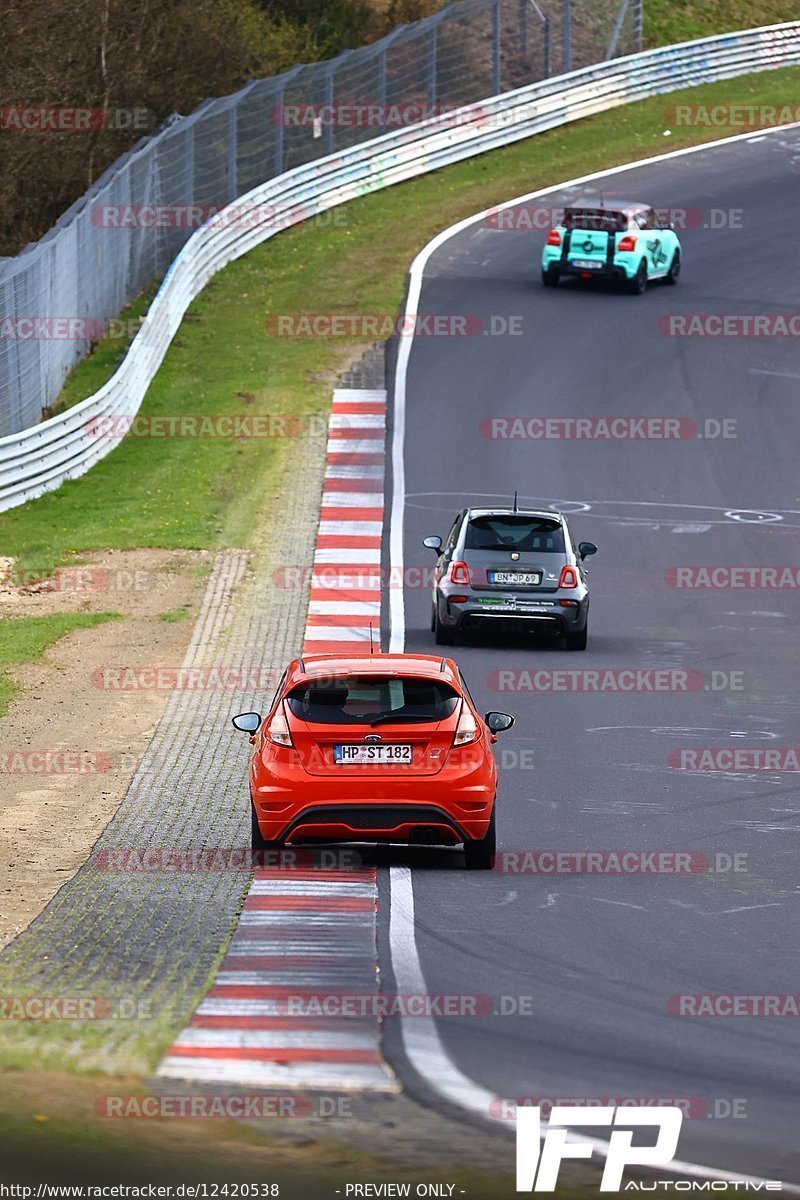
(515, 501)
(371, 647)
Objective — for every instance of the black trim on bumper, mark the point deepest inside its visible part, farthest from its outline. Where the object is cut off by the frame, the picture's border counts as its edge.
(373, 816)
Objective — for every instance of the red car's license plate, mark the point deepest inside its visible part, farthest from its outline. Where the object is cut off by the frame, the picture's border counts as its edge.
(355, 754)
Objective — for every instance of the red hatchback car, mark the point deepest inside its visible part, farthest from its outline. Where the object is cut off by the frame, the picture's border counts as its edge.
(374, 748)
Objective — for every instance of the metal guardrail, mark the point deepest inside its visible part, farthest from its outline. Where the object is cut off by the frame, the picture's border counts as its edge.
(64, 447)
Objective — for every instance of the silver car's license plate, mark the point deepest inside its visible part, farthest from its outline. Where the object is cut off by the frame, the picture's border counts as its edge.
(586, 264)
(514, 578)
(354, 754)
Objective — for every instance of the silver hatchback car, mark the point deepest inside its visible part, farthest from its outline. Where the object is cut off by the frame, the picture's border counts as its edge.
(510, 566)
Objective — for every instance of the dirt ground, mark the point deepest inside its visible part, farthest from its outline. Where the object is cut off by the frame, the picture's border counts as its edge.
(49, 819)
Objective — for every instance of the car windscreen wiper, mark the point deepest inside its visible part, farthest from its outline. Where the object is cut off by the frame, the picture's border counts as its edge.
(385, 718)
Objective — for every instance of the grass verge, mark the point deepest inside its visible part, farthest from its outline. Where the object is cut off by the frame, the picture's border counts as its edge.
(205, 492)
(668, 21)
(53, 1132)
(25, 639)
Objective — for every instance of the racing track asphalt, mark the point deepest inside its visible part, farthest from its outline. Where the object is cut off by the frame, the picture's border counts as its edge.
(601, 955)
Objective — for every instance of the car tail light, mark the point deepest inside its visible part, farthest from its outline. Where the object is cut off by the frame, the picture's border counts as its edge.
(459, 599)
(627, 243)
(554, 238)
(459, 573)
(467, 728)
(278, 728)
(569, 578)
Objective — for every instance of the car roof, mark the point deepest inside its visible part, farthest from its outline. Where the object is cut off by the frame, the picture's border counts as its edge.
(427, 666)
(547, 513)
(626, 206)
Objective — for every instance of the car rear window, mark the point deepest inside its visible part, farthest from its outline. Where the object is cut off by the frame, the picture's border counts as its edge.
(603, 219)
(536, 534)
(371, 699)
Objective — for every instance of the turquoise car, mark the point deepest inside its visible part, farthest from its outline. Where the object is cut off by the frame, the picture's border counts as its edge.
(617, 241)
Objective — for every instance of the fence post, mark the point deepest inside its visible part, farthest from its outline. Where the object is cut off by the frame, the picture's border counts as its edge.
(277, 166)
(432, 64)
(566, 34)
(329, 99)
(233, 190)
(546, 49)
(12, 366)
(523, 26)
(382, 82)
(189, 162)
(638, 23)
(496, 47)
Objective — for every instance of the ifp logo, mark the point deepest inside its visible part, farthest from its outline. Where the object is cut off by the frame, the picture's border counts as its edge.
(538, 1160)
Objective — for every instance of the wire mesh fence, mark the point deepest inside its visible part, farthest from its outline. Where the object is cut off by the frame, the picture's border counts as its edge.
(58, 295)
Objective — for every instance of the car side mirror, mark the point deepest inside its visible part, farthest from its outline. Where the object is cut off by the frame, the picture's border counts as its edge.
(249, 722)
(433, 543)
(498, 722)
(585, 549)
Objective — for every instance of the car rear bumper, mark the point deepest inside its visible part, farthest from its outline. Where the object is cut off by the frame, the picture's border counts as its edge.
(374, 809)
(551, 618)
(606, 272)
(413, 824)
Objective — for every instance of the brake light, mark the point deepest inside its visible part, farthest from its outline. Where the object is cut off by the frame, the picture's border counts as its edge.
(467, 728)
(627, 243)
(459, 573)
(569, 578)
(554, 238)
(278, 729)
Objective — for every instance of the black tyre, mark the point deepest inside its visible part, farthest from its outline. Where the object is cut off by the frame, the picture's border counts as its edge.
(673, 274)
(578, 641)
(443, 634)
(433, 618)
(638, 284)
(479, 853)
(550, 277)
